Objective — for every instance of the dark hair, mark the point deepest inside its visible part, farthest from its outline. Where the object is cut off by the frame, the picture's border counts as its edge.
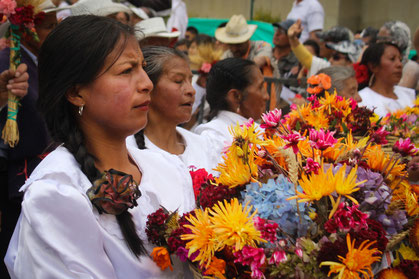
(222, 24)
(155, 58)
(182, 42)
(227, 74)
(192, 30)
(372, 57)
(74, 54)
(314, 45)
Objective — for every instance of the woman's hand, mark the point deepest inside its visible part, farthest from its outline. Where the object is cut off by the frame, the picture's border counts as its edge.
(15, 81)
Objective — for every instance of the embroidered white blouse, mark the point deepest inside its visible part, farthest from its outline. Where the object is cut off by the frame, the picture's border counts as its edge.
(60, 234)
(198, 151)
(383, 105)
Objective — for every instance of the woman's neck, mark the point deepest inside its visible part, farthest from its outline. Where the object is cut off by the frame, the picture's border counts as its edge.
(110, 152)
(384, 88)
(164, 135)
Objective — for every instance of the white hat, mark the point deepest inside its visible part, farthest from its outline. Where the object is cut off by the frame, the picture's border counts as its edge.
(139, 12)
(97, 7)
(48, 7)
(236, 31)
(153, 27)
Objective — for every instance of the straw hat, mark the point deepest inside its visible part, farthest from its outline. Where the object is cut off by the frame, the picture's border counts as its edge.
(153, 27)
(98, 8)
(236, 31)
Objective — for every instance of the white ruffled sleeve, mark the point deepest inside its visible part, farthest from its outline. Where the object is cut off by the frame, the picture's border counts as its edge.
(57, 236)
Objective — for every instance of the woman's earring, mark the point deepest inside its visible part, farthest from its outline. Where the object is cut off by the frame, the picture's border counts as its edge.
(81, 110)
(238, 109)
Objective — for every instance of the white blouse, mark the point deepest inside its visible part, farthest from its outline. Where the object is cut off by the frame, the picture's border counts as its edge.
(198, 151)
(60, 234)
(384, 105)
(217, 130)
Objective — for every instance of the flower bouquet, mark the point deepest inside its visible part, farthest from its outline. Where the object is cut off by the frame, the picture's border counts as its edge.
(21, 16)
(292, 200)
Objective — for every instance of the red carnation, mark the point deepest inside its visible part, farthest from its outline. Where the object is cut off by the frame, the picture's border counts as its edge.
(361, 73)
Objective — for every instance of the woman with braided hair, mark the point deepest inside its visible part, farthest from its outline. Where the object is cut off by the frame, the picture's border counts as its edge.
(85, 206)
(171, 104)
(235, 93)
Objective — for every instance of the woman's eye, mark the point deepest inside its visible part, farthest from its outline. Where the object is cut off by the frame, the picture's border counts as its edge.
(127, 71)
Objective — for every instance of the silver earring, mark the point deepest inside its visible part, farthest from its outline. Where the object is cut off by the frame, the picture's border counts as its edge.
(81, 110)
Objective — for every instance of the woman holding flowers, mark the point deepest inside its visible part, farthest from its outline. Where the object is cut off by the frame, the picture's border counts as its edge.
(384, 63)
(85, 206)
(171, 105)
(235, 93)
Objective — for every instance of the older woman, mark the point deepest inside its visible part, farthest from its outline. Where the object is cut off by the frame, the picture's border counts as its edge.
(343, 81)
(171, 104)
(384, 63)
(235, 93)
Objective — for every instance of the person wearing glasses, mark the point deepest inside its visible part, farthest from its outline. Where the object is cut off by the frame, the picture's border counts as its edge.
(341, 50)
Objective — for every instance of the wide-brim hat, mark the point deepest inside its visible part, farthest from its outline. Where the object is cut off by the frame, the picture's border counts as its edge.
(236, 31)
(97, 7)
(48, 7)
(139, 12)
(153, 27)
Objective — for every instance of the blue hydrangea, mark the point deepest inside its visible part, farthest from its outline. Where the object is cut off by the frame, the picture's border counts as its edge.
(270, 200)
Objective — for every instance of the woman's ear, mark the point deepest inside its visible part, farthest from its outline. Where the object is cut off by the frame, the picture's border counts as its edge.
(372, 67)
(74, 97)
(234, 98)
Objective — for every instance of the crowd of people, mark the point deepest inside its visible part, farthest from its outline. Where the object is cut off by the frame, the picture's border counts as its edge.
(111, 92)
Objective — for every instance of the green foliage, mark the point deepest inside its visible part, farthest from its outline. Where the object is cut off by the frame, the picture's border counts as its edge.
(266, 16)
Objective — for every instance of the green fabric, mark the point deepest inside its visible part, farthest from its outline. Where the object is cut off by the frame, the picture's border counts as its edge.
(264, 32)
(412, 53)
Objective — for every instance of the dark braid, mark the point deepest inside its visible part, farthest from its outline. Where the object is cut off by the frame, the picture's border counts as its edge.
(73, 54)
(140, 140)
(227, 74)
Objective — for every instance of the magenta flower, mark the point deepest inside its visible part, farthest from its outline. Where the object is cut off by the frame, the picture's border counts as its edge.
(279, 256)
(312, 166)
(267, 228)
(182, 253)
(271, 119)
(253, 257)
(347, 218)
(405, 147)
(299, 252)
(293, 140)
(321, 140)
(379, 136)
(249, 123)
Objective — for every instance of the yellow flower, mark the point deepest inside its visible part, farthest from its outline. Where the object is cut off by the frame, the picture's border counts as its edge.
(317, 119)
(235, 171)
(378, 160)
(357, 261)
(374, 118)
(331, 103)
(316, 186)
(202, 237)
(233, 226)
(346, 184)
(246, 135)
(408, 253)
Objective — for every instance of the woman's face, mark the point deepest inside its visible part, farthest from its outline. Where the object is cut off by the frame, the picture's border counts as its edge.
(173, 95)
(391, 67)
(350, 89)
(117, 101)
(254, 104)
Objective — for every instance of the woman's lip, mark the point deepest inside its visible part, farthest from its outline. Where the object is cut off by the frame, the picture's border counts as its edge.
(143, 106)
